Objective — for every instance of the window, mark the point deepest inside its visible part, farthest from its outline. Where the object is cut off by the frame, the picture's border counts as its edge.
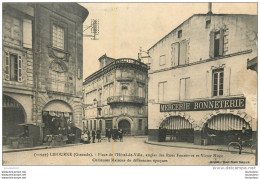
(100, 124)
(58, 37)
(179, 33)
(140, 111)
(179, 53)
(218, 81)
(13, 67)
(12, 29)
(140, 122)
(57, 81)
(140, 91)
(184, 88)
(162, 91)
(95, 124)
(208, 22)
(27, 33)
(162, 60)
(216, 43)
(87, 124)
(99, 111)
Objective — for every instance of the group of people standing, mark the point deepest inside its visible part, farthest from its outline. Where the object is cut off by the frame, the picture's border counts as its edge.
(115, 134)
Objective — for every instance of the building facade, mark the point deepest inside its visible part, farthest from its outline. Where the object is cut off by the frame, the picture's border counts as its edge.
(42, 67)
(200, 89)
(115, 97)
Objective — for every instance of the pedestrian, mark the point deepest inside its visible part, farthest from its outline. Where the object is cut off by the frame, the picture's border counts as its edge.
(115, 134)
(242, 137)
(108, 135)
(99, 135)
(88, 134)
(93, 136)
(106, 132)
(120, 135)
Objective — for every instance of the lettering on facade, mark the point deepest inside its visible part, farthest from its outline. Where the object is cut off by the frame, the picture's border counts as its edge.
(227, 103)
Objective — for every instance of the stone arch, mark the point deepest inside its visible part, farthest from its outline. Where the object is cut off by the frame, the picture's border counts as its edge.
(238, 113)
(124, 117)
(178, 114)
(18, 101)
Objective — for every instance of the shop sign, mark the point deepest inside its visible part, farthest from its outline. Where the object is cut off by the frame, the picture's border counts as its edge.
(212, 104)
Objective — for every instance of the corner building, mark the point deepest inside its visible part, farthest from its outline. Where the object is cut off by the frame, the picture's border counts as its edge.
(116, 96)
(200, 89)
(42, 60)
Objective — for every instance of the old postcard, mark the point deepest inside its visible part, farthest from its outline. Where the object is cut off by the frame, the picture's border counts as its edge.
(129, 84)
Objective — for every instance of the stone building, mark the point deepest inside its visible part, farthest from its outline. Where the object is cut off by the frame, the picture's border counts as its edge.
(200, 90)
(42, 66)
(116, 96)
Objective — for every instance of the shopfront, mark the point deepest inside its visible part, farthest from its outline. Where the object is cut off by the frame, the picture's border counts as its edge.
(222, 129)
(176, 128)
(58, 120)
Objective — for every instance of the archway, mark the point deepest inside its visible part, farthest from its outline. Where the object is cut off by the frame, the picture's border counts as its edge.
(125, 126)
(13, 115)
(224, 128)
(176, 128)
(57, 117)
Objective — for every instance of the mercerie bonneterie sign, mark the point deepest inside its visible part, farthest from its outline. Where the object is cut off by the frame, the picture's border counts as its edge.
(212, 104)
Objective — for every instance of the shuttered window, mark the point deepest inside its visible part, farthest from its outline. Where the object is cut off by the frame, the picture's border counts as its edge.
(162, 60)
(175, 54)
(162, 87)
(58, 37)
(27, 33)
(184, 88)
(183, 53)
(13, 67)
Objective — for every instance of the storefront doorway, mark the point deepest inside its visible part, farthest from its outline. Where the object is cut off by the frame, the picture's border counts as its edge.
(57, 117)
(125, 126)
(13, 115)
(176, 128)
(225, 128)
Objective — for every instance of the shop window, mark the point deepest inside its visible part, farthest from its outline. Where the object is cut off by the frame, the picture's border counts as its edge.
(179, 33)
(218, 81)
(13, 67)
(216, 43)
(162, 60)
(208, 22)
(162, 87)
(58, 35)
(184, 88)
(140, 122)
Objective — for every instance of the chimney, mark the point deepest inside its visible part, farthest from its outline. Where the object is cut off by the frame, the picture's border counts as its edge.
(210, 8)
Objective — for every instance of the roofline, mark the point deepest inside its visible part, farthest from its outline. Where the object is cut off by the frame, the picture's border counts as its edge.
(192, 17)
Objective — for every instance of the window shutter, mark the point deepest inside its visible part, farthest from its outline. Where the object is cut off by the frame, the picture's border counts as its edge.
(7, 66)
(175, 54)
(221, 42)
(209, 83)
(183, 52)
(20, 68)
(211, 44)
(187, 88)
(182, 88)
(27, 33)
(227, 75)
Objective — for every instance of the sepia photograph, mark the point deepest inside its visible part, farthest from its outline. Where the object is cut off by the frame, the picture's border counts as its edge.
(129, 84)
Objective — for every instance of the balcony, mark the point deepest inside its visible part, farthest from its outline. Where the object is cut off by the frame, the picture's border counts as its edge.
(125, 99)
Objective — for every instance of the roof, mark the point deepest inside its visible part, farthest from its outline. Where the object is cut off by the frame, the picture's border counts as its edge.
(194, 16)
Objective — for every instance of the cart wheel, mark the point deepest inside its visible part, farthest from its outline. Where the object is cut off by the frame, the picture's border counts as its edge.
(233, 147)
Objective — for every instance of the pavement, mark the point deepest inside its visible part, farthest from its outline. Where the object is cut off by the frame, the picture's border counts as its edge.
(7, 149)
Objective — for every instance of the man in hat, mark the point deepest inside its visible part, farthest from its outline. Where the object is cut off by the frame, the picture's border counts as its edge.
(242, 137)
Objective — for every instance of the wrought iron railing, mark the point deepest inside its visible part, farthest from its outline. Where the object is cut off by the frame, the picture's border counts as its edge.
(126, 99)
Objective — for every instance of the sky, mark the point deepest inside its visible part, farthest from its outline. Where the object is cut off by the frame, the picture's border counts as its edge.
(125, 27)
